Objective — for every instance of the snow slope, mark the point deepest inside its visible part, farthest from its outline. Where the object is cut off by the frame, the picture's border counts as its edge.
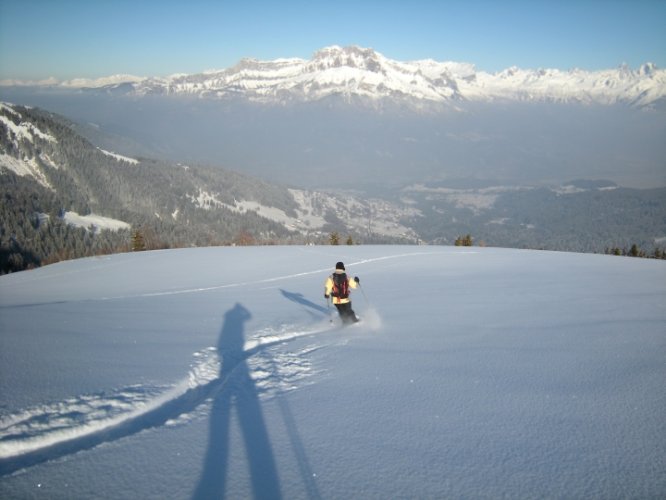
(216, 372)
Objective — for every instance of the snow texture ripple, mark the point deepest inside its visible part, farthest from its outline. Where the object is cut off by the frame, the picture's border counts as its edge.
(222, 373)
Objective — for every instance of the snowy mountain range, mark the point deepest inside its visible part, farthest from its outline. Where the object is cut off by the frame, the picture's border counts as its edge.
(355, 72)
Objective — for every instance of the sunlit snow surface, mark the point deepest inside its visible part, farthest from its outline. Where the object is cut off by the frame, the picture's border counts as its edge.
(217, 372)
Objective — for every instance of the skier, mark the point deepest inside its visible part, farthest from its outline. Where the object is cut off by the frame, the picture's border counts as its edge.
(337, 287)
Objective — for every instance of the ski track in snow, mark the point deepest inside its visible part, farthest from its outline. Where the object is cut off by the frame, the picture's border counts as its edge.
(50, 431)
(229, 285)
(267, 280)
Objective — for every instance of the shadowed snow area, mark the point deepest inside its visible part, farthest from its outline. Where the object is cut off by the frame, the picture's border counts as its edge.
(224, 373)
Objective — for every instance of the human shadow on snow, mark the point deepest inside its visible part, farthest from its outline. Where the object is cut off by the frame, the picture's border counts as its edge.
(230, 347)
(300, 299)
(242, 396)
(233, 389)
(262, 465)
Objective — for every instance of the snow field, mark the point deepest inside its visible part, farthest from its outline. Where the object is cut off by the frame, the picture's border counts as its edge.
(478, 373)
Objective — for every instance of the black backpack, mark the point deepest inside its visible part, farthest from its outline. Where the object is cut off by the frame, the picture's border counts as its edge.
(340, 285)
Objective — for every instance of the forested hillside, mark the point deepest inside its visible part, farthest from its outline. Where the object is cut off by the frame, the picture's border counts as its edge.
(56, 187)
(47, 170)
(62, 197)
(579, 217)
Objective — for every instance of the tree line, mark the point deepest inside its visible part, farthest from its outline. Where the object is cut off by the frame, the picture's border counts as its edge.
(590, 221)
(635, 251)
(161, 201)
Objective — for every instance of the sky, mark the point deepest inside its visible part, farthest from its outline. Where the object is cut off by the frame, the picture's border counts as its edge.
(65, 39)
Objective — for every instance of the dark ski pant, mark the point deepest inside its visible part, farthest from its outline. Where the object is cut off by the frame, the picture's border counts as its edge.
(347, 315)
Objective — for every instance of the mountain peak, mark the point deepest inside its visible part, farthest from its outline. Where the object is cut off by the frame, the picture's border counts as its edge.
(352, 57)
(364, 73)
(367, 74)
(647, 69)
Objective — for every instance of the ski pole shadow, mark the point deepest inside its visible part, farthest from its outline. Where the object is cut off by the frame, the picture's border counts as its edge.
(242, 396)
(298, 447)
(233, 388)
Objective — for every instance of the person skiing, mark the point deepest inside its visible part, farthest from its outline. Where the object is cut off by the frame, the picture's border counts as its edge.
(338, 286)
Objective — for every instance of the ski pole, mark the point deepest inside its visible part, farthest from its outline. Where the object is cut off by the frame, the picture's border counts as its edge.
(363, 292)
(328, 306)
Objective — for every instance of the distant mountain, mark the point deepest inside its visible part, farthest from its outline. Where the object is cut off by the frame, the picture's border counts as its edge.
(362, 73)
(350, 118)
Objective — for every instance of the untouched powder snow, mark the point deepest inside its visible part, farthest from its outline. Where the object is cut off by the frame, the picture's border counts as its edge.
(223, 373)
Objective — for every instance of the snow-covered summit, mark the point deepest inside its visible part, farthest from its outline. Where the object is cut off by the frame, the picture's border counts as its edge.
(365, 73)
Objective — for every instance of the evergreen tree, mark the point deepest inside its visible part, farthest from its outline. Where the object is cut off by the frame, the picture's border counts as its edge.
(244, 239)
(464, 241)
(138, 244)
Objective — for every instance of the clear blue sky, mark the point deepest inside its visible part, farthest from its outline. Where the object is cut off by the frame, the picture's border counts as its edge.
(93, 38)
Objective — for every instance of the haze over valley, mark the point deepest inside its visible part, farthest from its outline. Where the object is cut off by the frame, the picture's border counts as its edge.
(351, 118)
